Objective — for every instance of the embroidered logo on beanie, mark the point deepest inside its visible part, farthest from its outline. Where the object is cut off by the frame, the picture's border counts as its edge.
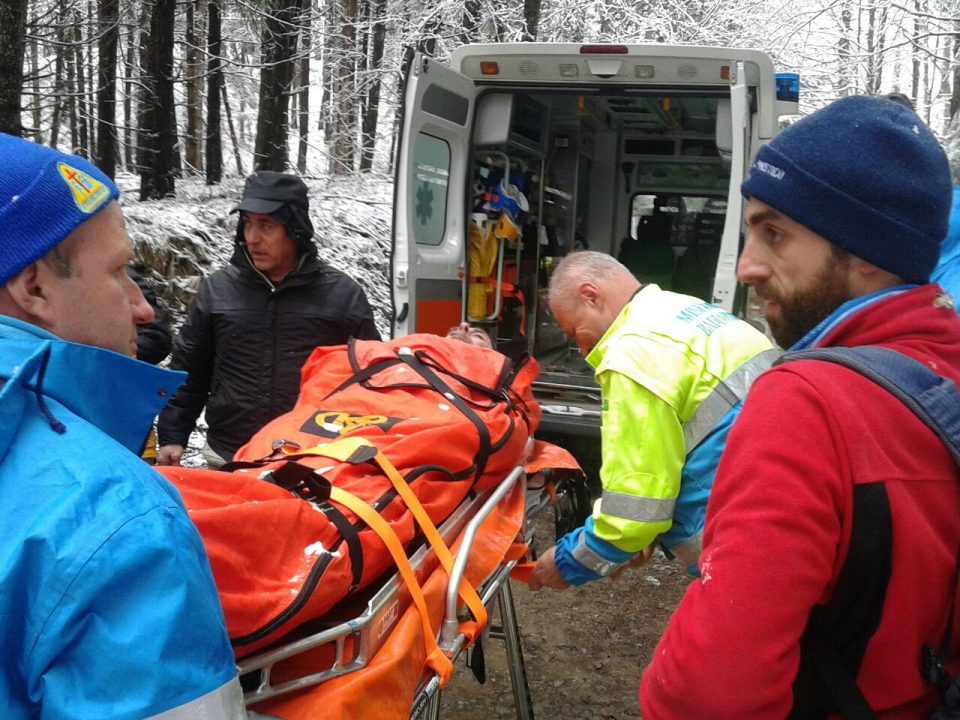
(771, 170)
(89, 194)
(44, 196)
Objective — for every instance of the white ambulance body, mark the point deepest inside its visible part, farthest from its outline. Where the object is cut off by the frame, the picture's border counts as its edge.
(514, 155)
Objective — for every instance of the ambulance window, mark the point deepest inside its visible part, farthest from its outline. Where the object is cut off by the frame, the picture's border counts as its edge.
(445, 104)
(431, 174)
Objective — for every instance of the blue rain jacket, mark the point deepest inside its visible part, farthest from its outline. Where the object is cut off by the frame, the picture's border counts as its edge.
(107, 604)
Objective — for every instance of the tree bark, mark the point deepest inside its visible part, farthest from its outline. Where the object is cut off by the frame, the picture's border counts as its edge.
(214, 85)
(158, 138)
(58, 83)
(371, 110)
(193, 62)
(954, 105)
(303, 95)
(108, 17)
(843, 51)
(13, 31)
(82, 143)
(233, 132)
(278, 55)
(35, 106)
(531, 19)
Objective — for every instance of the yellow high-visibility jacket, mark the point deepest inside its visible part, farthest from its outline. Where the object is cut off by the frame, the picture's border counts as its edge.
(662, 357)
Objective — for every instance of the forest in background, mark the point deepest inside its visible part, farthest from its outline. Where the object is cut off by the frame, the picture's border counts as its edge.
(163, 89)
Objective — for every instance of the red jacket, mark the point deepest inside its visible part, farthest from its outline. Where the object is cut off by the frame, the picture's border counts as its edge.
(778, 526)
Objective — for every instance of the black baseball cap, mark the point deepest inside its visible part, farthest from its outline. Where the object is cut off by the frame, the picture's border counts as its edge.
(265, 192)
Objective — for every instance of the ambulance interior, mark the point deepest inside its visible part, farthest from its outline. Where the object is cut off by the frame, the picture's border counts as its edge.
(635, 174)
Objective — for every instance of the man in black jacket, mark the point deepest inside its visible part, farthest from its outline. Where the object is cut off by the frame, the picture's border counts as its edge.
(254, 323)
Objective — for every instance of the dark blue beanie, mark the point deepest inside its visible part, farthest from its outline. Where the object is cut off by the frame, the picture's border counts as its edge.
(867, 175)
(44, 195)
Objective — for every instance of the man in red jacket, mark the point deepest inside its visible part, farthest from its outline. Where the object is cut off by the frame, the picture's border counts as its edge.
(846, 212)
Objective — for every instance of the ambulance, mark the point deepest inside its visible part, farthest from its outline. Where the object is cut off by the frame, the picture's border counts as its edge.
(513, 155)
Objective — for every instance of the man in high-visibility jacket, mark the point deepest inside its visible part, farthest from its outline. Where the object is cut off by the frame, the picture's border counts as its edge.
(672, 370)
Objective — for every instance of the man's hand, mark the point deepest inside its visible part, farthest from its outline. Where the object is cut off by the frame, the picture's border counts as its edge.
(169, 454)
(545, 574)
(638, 560)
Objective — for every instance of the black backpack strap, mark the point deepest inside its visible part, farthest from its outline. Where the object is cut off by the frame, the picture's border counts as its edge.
(835, 639)
(836, 635)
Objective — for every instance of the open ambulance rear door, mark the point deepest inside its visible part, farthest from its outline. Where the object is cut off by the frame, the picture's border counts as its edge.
(429, 220)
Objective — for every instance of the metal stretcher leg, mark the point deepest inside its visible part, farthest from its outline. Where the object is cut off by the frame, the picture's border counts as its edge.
(515, 661)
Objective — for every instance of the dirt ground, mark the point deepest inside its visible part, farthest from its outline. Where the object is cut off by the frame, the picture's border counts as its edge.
(584, 647)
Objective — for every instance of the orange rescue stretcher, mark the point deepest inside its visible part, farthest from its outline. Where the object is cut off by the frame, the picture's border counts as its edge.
(371, 657)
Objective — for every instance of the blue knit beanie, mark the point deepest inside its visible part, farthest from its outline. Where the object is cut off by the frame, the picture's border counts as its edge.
(867, 175)
(44, 195)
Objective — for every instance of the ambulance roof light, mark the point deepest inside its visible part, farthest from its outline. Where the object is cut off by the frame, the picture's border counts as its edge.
(603, 49)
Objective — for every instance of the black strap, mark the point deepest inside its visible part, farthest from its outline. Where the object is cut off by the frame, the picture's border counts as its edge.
(307, 484)
(836, 636)
(483, 433)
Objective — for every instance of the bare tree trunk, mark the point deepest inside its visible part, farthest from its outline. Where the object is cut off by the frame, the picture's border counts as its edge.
(58, 83)
(330, 45)
(109, 35)
(158, 139)
(13, 31)
(915, 74)
(278, 56)
(214, 85)
(531, 19)
(844, 75)
(233, 133)
(371, 113)
(132, 71)
(343, 146)
(872, 80)
(193, 61)
(303, 96)
(72, 93)
(82, 142)
(36, 106)
(954, 105)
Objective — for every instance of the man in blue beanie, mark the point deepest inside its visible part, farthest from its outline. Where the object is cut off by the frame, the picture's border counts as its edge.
(832, 533)
(108, 607)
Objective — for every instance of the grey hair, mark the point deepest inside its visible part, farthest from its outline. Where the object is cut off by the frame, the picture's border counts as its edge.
(583, 265)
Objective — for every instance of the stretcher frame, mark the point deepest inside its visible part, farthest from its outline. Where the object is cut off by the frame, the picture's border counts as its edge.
(356, 640)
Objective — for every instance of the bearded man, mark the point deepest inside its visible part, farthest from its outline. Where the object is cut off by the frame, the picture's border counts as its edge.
(846, 211)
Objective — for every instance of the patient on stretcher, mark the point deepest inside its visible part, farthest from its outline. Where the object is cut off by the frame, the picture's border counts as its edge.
(451, 418)
(472, 335)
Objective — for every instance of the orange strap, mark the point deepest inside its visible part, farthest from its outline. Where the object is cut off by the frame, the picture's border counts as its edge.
(346, 448)
(466, 591)
(522, 571)
(436, 659)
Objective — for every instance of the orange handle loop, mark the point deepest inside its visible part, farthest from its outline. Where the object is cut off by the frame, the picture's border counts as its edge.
(352, 449)
(436, 660)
